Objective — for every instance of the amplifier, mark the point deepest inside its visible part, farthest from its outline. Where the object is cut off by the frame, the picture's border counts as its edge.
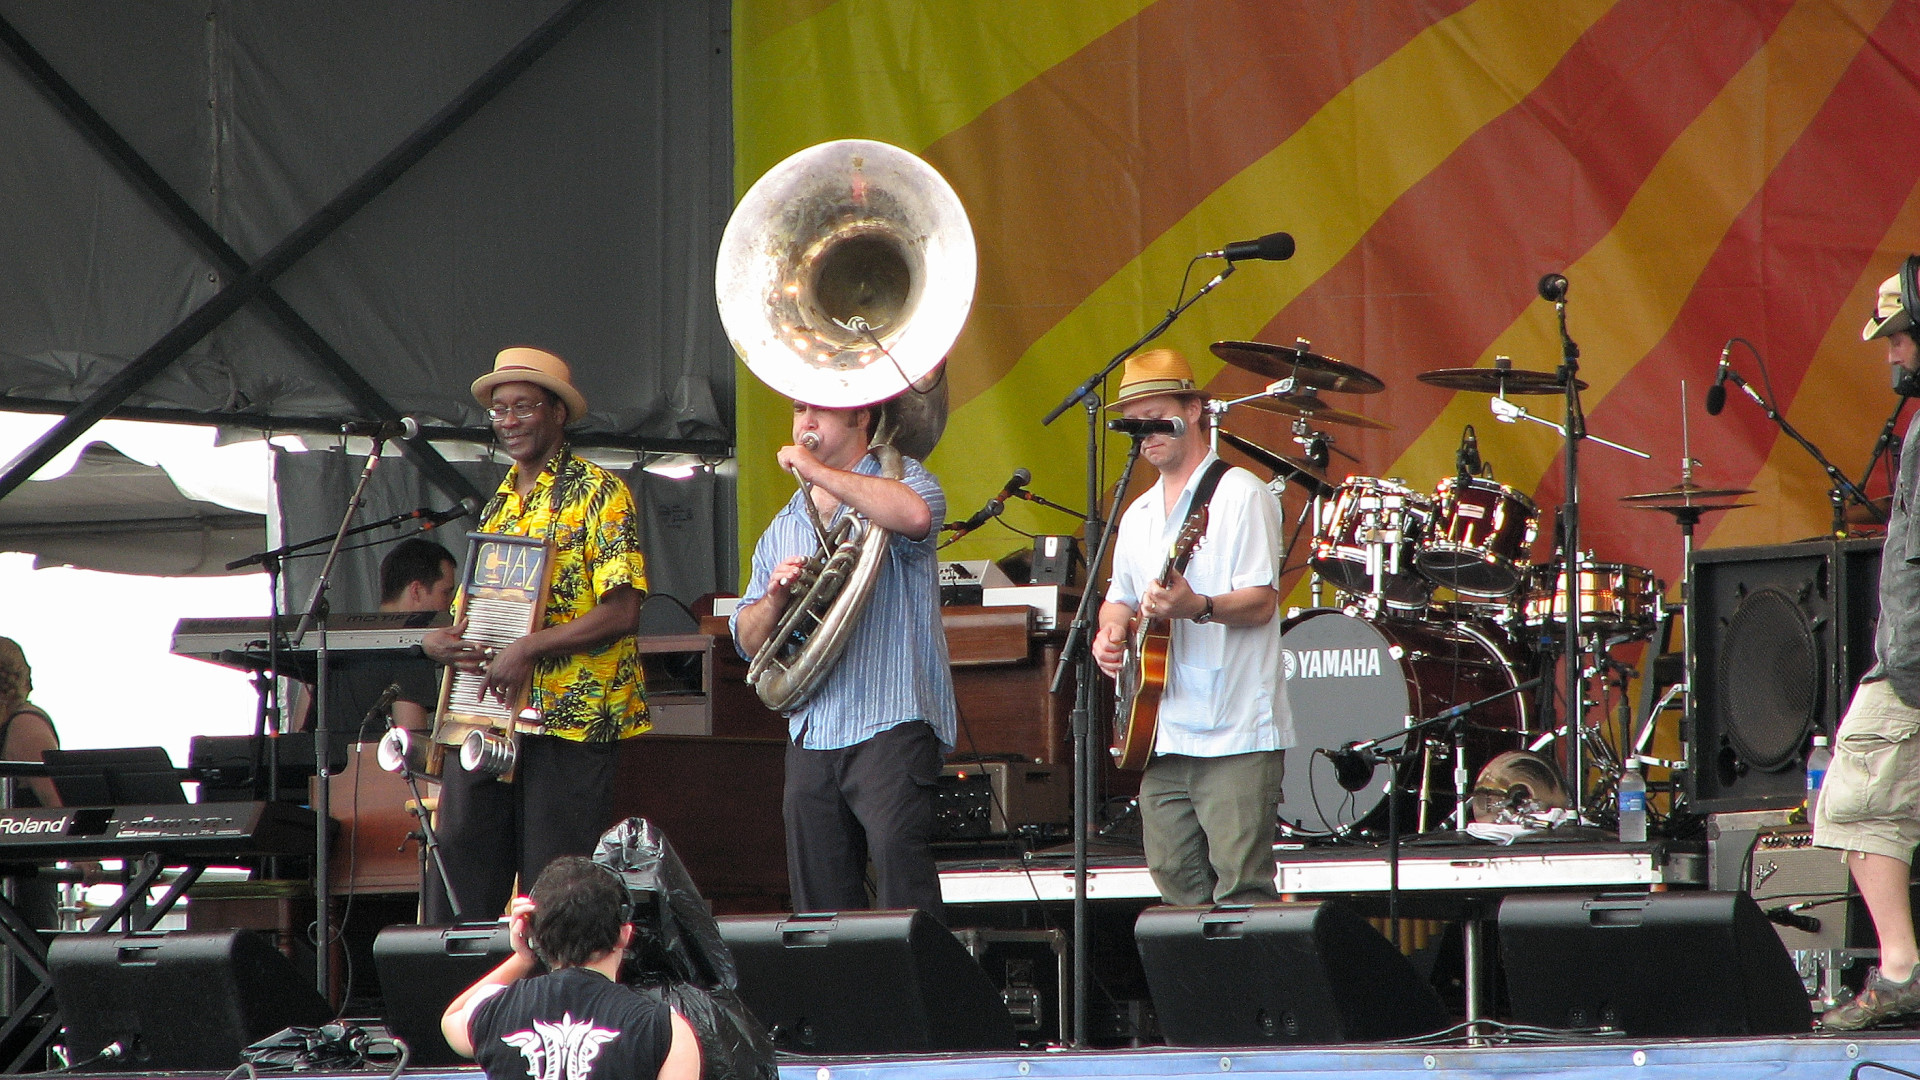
(1785, 869)
(992, 798)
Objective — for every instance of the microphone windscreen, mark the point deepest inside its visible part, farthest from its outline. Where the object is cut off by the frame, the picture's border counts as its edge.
(1716, 398)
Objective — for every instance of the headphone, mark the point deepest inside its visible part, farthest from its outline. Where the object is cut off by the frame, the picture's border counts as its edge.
(1906, 383)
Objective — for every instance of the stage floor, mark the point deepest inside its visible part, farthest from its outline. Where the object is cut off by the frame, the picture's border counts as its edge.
(1807, 1057)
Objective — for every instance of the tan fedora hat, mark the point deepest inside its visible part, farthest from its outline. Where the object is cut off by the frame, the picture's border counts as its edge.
(1890, 316)
(1156, 371)
(536, 366)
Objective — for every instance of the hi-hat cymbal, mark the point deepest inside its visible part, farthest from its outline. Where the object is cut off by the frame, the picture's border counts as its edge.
(1273, 362)
(1293, 468)
(1696, 509)
(1496, 380)
(1319, 411)
(1687, 494)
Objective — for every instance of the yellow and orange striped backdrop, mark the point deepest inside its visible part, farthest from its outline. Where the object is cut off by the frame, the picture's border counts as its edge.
(1697, 170)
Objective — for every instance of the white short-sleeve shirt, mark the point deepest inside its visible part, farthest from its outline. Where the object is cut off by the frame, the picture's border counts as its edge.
(1225, 693)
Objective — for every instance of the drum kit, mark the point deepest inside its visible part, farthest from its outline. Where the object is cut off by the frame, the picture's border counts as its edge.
(1428, 604)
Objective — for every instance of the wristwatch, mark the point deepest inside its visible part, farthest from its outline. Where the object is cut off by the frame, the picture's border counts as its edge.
(1206, 613)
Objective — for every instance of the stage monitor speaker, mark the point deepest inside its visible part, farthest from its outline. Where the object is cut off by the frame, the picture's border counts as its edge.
(1781, 636)
(1653, 965)
(1279, 973)
(865, 982)
(421, 969)
(180, 1000)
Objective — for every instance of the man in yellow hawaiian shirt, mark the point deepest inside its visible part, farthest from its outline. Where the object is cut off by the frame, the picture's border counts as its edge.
(582, 667)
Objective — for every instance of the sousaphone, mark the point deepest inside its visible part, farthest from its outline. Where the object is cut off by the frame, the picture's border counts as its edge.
(844, 276)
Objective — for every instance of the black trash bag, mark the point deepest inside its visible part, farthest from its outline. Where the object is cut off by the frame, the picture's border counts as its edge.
(678, 955)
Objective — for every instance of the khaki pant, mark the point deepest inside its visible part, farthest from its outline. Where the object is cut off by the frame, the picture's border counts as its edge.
(1870, 800)
(1208, 824)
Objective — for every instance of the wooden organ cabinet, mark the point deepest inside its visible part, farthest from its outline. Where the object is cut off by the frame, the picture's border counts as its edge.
(710, 772)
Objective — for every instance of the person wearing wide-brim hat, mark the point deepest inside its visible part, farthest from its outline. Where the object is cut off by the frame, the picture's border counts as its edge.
(1869, 805)
(579, 670)
(1211, 789)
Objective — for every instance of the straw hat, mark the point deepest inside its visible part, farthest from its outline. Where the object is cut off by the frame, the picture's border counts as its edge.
(1156, 371)
(1890, 316)
(536, 366)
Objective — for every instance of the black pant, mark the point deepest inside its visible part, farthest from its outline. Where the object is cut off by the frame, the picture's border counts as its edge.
(873, 799)
(560, 802)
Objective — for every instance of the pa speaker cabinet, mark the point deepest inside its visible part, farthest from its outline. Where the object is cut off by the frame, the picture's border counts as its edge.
(422, 968)
(865, 982)
(1781, 635)
(1650, 964)
(1279, 973)
(182, 1000)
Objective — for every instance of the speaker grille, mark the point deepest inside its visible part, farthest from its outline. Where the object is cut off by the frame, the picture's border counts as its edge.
(1770, 675)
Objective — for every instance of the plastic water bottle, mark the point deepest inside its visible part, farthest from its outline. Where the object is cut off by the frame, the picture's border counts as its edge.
(1817, 763)
(1633, 805)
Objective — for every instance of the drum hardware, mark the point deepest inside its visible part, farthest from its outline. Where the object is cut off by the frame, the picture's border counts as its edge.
(1297, 363)
(1307, 403)
(1355, 762)
(1369, 535)
(1293, 469)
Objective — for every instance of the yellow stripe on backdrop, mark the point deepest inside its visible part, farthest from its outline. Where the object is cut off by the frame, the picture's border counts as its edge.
(901, 71)
(1329, 182)
(1629, 287)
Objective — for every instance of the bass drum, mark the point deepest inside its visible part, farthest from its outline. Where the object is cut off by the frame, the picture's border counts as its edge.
(1352, 679)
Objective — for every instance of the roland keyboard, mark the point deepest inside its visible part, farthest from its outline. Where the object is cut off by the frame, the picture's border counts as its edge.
(242, 643)
(190, 831)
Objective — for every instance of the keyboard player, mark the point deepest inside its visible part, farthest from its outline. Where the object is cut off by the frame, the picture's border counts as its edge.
(417, 575)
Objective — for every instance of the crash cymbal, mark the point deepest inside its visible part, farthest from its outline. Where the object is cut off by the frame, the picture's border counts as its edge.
(1856, 514)
(1273, 362)
(1319, 411)
(1293, 468)
(1687, 494)
(1496, 380)
(1678, 508)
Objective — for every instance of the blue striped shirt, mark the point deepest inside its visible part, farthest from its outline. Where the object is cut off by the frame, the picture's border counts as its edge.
(894, 669)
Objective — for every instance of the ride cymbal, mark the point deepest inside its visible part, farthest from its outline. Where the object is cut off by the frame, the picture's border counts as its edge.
(1273, 362)
(1497, 380)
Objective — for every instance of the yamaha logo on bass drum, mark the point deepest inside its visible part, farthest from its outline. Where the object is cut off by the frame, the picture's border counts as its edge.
(1331, 663)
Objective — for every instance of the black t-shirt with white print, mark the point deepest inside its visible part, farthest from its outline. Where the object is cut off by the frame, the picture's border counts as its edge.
(571, 1024)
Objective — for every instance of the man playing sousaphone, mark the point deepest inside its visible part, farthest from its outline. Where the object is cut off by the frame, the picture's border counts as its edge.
(866, 746)
(581, 667)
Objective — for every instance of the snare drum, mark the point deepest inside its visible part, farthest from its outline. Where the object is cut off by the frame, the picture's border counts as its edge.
(1373, 522)
(1350, 679)
(1481, 538)
(1613, 596)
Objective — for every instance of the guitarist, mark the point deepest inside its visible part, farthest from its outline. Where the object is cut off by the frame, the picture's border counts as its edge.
(1211, 790)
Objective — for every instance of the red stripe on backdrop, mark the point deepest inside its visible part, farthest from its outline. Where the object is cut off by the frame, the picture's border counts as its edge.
(1779, 278)
(1122, 140)
(1451, 265)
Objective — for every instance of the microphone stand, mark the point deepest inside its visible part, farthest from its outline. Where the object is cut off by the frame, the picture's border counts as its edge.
(1880, 446)
(429, 836)
(1576, 430)
(322, 799)
(1076, 653)
(1841, 490)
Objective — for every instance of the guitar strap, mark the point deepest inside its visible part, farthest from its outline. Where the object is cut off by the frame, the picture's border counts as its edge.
(1203, 494)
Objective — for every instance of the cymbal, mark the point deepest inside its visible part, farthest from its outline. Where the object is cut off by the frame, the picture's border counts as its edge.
(1677, 508)
(1686, 494)
(1293, 468)
(1487, 380)
(1860, 515)
(1319, 411)
(1281, 361)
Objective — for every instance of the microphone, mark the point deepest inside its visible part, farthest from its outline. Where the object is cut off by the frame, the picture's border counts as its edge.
(1466, 460)
(1273, 247)
(1717, 393)
(1175, 426)
(995, 506)
(1553, 288)
(381, 430)
(1787, 916)
(436, 518)
(382, 705)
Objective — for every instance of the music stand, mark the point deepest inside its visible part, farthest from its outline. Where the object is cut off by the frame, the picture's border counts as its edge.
(122, 776)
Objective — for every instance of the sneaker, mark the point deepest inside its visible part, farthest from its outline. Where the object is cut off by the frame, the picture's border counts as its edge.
(1881, 1000)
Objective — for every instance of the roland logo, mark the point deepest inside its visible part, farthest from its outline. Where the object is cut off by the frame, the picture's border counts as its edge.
(32, 826)
(1332, 663)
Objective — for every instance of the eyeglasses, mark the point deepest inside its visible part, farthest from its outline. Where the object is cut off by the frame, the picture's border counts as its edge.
(520, 410)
